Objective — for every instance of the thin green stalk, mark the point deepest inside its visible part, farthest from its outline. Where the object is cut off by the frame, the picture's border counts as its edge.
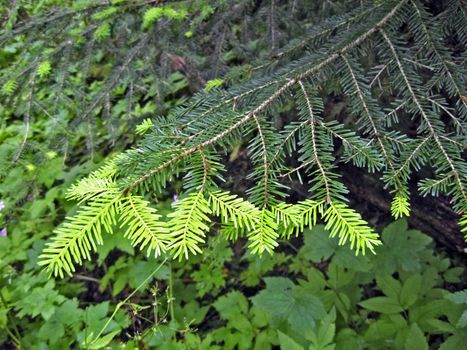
(171, 299)
(120, 304)
(16, 338)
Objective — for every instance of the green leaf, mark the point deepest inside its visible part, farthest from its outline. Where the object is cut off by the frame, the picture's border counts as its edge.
(456, 341)
(383, 305)
(381, 329)
(231, 304)
(415, 339)
(389, 285)
(288, 302)
(103, 341)
(462, 320)
(401, 248)
(326, 332)
(287, 343)
(458, 297)
(317, 244)
(410, 290)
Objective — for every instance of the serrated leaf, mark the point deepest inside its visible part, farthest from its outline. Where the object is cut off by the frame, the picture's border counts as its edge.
(389, 285)
(410, 290)
(287, 302)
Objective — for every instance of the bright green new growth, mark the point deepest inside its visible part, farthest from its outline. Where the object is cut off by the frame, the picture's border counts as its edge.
(188, 141)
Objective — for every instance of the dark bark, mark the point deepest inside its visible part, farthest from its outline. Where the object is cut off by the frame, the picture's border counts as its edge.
(432, 215)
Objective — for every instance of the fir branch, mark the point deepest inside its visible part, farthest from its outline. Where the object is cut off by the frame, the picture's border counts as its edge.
(80, 234)
(348, 225)
(432, 130)
(188, 225)
(144, 227)
(289, 82)
(315, 150)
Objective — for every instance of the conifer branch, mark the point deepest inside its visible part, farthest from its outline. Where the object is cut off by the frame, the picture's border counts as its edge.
(289, 82)
(265, 161)
(433, 132)
(315, 150)
(185, 143)
(377, 134)
(434, 45)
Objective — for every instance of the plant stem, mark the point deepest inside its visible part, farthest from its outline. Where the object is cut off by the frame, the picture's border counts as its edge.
(171, 299)
(120, 304)
(16, 338)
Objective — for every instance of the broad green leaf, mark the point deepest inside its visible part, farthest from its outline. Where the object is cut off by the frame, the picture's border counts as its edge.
(288, 302)
(415, 339)
(381, 329)
(462, 320)
(318, 245)
(456, 341)
(458, 297)
(324, 337)
(401, 249)
(287, 343)
(231, 305)
(389, 285)
(410, 290)
(383, 305)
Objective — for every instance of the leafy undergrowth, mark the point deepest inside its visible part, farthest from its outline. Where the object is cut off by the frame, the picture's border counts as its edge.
(314, 294)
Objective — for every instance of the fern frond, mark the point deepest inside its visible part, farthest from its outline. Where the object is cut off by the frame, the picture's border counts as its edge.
(144, 227)
(348, 225)
(188, 225)
(80, 234)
